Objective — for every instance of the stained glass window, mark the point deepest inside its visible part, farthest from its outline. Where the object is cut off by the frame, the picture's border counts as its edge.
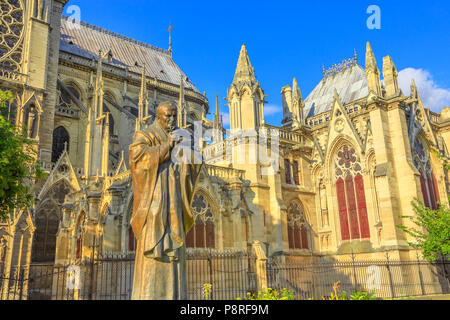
(428, 183)
(351, 195)
(202, 233)
(60, 140)
(297, 227)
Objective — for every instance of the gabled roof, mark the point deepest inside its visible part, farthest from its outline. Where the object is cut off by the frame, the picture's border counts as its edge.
(86, 40)
(350, 84)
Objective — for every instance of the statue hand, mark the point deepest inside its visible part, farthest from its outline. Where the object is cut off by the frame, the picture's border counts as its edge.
(174, 139)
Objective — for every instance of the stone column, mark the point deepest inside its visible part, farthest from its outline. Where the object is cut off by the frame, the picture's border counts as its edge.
(261, 266)
(235, 188)
(26, 274)
(7, 263)
(385, 179)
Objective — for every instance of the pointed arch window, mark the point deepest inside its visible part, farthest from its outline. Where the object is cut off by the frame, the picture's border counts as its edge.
(297, 227)
(351, 195)
(65, 98)
(44, 244)
(111, 119)
(131, 240)
(60, 139)
(295, 172)
(428, 183)
(323, 203)
(79, 238)
(287, 170)
(202, 233)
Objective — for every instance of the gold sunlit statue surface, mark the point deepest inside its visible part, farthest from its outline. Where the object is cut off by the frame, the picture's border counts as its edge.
(163, 190)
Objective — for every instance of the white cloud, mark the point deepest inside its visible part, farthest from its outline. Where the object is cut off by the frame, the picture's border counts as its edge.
(432, 95)
(225, 118)
(271, 109)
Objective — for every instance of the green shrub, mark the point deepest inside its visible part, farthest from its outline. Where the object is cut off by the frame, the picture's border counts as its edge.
(207, 288)
(337, 294)
(269, 294)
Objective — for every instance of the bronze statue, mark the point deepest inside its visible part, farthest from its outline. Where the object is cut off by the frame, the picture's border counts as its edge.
(163, 191)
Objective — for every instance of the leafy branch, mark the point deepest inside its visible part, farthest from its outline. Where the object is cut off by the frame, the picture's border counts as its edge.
(18, 165)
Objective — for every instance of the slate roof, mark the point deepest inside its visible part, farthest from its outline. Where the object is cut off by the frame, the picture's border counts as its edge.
(86, 40)
(350, 83)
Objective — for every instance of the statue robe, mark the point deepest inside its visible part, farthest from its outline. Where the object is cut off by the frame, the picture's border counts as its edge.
(161, 217)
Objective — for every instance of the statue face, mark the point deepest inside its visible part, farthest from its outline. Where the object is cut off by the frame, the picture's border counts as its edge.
(167, 118)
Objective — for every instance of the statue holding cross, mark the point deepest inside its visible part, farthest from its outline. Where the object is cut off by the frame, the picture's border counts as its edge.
(163, 191)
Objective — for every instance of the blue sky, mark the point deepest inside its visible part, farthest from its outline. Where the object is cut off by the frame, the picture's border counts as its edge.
(287, 39)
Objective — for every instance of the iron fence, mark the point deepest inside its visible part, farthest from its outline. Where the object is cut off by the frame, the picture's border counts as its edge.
(110, 277)
(231, 275)
(385, 278)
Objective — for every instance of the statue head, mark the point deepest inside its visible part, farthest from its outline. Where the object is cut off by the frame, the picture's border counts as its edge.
(166, 115)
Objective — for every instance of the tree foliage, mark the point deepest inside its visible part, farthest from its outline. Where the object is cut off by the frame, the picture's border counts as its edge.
(18, 167)
(431, 232)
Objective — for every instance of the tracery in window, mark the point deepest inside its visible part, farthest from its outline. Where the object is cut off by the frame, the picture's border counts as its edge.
(351, 195)
(202, 233)
(47, 218)
(111, 119)
(297, 226)
(11, 36)
(428, 182)
(61, 140)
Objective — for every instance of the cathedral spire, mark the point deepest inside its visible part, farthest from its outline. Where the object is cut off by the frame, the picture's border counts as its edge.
(245, 97)
(244, 69)
(170, 38)
(217, 124)
(98, 94)
(296, 93)
(390, 76)
(142, 104)
(181, 114)
(372, 72)
(297, 103)
(413, 87)
(217, 115)
(292, 105)
(105, 147)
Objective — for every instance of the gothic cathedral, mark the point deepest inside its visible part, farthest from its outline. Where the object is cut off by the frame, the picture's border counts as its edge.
(352, 155)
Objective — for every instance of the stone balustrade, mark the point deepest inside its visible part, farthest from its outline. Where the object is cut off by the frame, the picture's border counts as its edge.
(12, 76)
(224, 173)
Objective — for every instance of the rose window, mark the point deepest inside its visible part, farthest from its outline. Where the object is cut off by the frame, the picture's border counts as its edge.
(346, 157)
(11, 34)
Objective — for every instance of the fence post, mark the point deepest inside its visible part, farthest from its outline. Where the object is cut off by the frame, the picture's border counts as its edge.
(21, 281)
(420, 275)
(354, 271)
(261, 266)
(210, 273)
(390, 275)
(444, 267)
(92, 275)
